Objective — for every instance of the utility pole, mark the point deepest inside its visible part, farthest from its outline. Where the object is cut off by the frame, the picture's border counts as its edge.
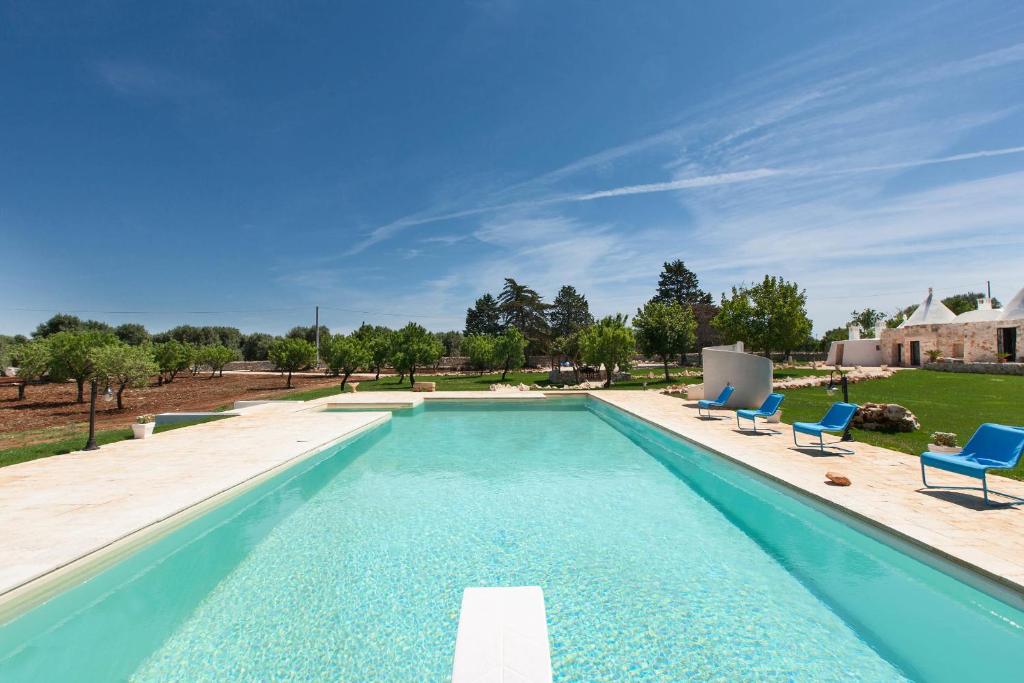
(988, 284)
(317, 336)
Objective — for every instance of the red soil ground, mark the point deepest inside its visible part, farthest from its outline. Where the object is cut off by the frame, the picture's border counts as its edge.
(49, 408)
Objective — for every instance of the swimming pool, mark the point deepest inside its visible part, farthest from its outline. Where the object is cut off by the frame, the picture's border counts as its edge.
(658, 560)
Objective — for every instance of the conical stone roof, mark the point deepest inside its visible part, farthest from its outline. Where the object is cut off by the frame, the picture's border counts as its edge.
(1015, 309)
(930, 312)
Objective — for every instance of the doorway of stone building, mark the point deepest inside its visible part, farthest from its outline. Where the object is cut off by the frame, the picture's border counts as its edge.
(1006, 343)
(899, 355)
(915, 353)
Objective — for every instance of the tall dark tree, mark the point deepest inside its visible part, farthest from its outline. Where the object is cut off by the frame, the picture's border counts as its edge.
(133, 334)
(62, 322)
(524, 309)
(484, 317)
(679, 284)
(570, 312)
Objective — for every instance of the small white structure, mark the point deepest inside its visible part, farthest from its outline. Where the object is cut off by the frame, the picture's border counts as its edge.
(750, 375)
(503, 636)
(855, 351)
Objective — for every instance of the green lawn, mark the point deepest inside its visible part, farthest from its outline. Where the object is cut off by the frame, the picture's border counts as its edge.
(12, 456)
(942, 402)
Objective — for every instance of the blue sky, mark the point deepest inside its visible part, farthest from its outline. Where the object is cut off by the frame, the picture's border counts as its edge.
(239, 162)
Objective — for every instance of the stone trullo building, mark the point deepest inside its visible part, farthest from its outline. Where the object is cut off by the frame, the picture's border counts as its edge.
(984, 335)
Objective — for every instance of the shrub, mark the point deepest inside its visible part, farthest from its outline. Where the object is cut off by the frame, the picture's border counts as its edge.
(480, 349)
(947, 439)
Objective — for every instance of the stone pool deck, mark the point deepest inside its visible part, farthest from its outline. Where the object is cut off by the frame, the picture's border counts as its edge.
(67, 512)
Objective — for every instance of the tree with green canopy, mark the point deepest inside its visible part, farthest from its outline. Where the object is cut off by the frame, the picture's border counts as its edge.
(484, 317)
(345, 355)
(480, 350)
(680, 284)
(171, 358)
(510, 350)
(292, 354)
(664, 330)
(132, 333)
(867, 320)
(770, 315)
(71, 356)
(524, 309)
(34, 359)
(379, 342)
(569, 313)
(415, 348)
(610, 343)
(124, 366)
(215, 357)
(256, 346)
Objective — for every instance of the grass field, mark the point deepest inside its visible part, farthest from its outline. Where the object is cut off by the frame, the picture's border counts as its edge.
(942, 402)
(12, 456)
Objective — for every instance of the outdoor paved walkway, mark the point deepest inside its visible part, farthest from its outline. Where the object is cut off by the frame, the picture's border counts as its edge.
(886, 485)
(56, 510)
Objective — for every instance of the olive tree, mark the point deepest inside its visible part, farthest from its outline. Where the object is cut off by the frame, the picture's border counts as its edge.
(122, 365)
(608, 342)
(345, 355)
(510, 350)
(480, 349)
(70, 356)
(664, 330)
(215, 357)
(34, 360)
(415, 348)
(292, 354)
(171, 358)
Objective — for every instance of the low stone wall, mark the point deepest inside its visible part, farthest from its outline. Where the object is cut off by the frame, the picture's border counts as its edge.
(250, 365)
(980, 368)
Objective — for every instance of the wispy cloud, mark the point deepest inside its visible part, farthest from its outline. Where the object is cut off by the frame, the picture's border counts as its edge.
(136, 79)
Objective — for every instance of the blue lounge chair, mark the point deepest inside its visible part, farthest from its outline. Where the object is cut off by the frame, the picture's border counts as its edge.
(723, 398)
(767, 409)
(993, 447)
(836, 420)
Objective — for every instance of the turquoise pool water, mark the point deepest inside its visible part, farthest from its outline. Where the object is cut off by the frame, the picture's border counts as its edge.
(658, 562)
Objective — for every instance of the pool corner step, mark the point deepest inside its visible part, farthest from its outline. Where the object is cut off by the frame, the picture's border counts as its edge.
(502, 631)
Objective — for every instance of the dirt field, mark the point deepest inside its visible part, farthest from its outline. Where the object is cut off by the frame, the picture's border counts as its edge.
(49, 411)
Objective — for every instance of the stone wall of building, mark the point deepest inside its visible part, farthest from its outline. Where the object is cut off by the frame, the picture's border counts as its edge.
(973, 342)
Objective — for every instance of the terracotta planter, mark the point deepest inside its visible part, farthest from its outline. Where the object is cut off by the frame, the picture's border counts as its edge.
(143, 430)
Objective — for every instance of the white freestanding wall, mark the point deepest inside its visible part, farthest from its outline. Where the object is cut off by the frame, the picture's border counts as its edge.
(750, 375)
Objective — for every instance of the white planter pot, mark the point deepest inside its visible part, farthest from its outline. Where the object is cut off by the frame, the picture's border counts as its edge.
(144, 430)
(776, 418)
(935, 448)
